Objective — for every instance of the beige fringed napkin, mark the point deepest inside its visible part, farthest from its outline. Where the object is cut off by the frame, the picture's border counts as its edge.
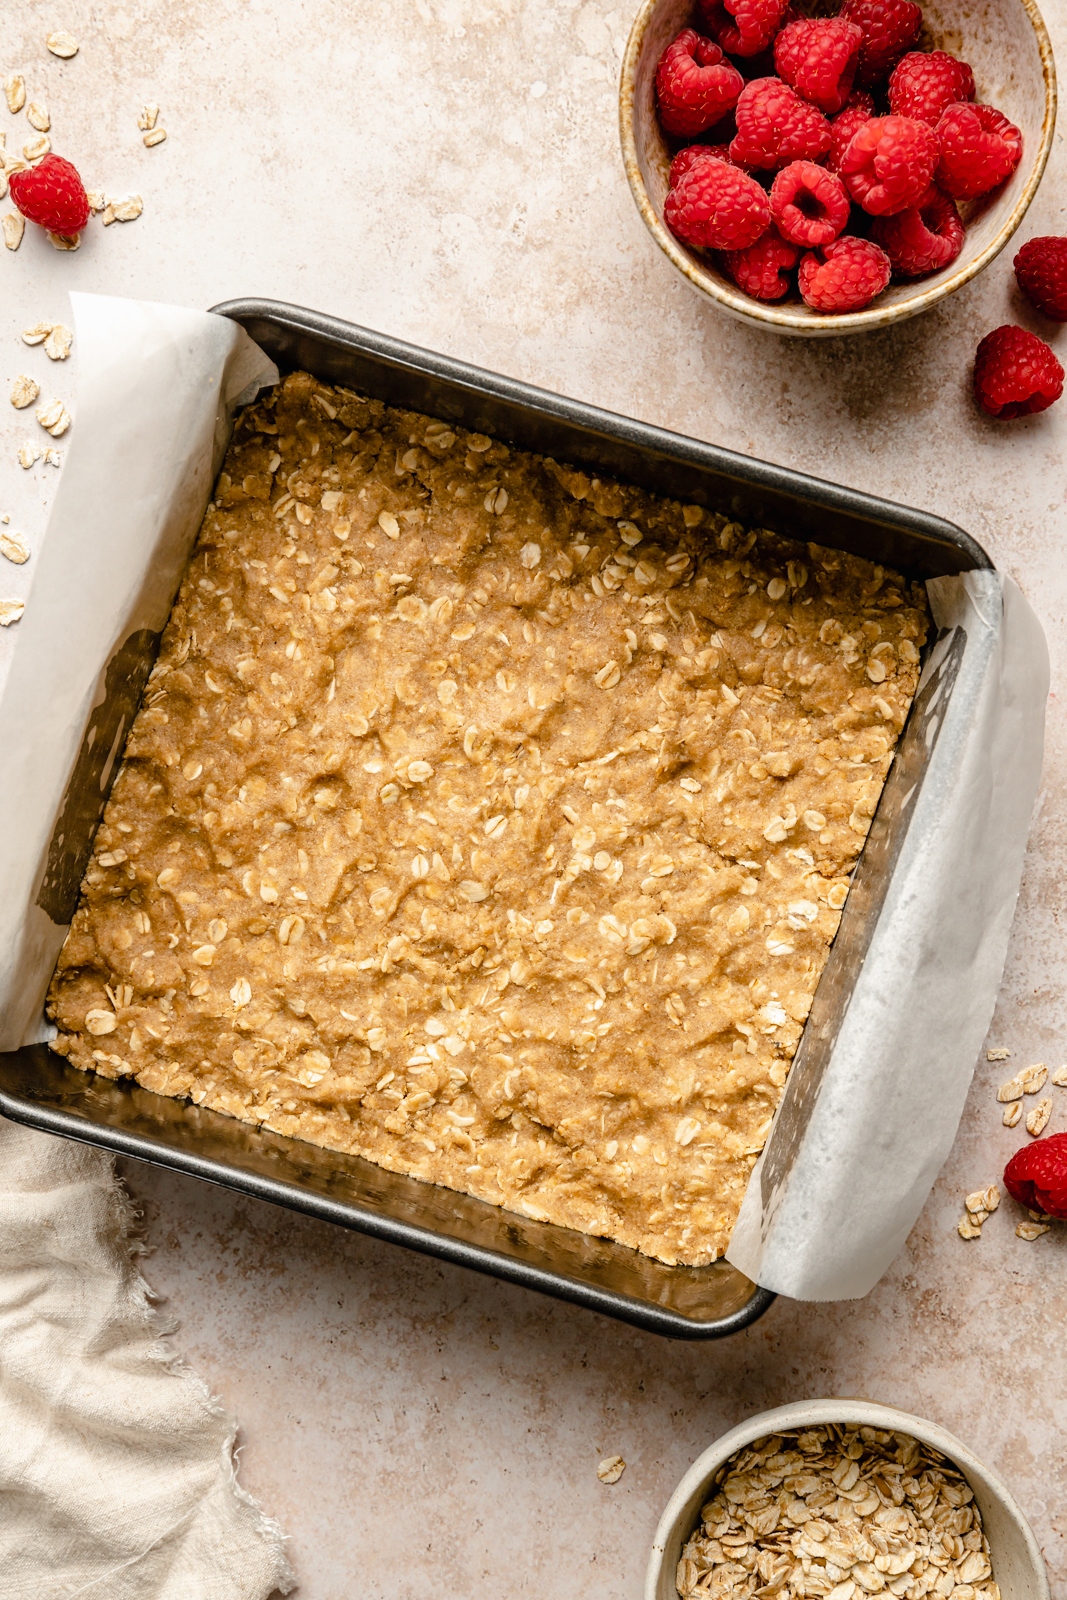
(117, 1476)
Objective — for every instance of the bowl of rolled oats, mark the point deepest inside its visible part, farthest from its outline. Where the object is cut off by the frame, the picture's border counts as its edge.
(842, 1499)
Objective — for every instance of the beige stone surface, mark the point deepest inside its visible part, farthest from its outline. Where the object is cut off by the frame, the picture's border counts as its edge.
(447, 171)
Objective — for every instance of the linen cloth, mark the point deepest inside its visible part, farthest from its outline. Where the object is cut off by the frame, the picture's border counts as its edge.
(117, 1474)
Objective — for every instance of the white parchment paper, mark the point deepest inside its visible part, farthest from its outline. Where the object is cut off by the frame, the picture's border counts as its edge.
(859, 1140)
(878, 1086)
(156, 388)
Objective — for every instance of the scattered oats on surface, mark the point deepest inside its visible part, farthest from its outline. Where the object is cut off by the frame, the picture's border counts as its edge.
(14, 547)
(14, 226)
(24, 391)
(36, 148)
(54, 418)
(986, 1200)
(1033, 1078)
(63, 45)
(1059, 1078)
(1037, 1119)
(127, 210)
(52, 457)
(149, 115)
(1012, 1114)
(839, 1513)
(65, 241)
(1031, 1230)
(28, 454)
(998, 1055)
(11, 611)
(37, 116)
(37, 334)
(97, 200)
(57, 345)
(611, 1469)
(971, 1227)
(156, 136)
(1012, 1090)
(15, 91)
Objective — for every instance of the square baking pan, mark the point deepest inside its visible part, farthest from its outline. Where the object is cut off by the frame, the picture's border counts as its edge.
(40, 1089)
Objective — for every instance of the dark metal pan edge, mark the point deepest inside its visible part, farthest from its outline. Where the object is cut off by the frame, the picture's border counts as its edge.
(614, 425)
(641, 1314)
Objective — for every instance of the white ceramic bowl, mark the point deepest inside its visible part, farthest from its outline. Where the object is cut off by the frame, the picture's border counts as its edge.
(1007, 45)
(1017, 1564)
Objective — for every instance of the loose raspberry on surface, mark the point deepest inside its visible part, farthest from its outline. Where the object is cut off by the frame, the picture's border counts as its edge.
(890, 164)
(924, 83)
(858, 110)
(979, 149)
(52, 195)
(809, 205)
(695, 86)
(845, 275)
(1041, 270)
(743, 27)
(763, 269)
(717, 207)
(889, 28)
(924, 238)
(1015, 374)
(775, 126)
(817, 57)
(1036, 1176)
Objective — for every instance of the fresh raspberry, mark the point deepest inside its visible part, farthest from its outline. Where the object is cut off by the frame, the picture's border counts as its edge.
(762, 269)
(817, 57)
(889, 28)
(979, 149)
(923, 84)
(1041, 268)
(809, 204)
(695, 87)
(775, 127)
(1036, 1175)
(858, 110)
(717, 207)
(1015, 374)
(845, 275)
(924, 238)
(890, 164)
(52, 195)
(743, 27)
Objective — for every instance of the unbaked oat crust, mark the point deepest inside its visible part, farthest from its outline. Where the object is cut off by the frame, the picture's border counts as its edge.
(487, 819)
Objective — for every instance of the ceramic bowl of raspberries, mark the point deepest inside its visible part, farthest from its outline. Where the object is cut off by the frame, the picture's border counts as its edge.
(828, 168)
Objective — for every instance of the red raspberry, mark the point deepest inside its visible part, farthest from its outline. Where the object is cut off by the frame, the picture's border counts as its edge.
(809, 204)
(889, 28)
(1036, 1175)
(1041, 268)
(890, 164)
(744, 27)
(845, 276)
(924, 238)
(859, 109)
(52, 195)
(1015, 374)
(817, 57)
(775, 127)
(923, 85)
(979, 149)
(762, 269)
(717, 207)
(695, 87)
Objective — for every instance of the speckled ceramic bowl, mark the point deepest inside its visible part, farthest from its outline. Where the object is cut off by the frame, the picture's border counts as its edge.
(1017, 1564)
(1007, 45)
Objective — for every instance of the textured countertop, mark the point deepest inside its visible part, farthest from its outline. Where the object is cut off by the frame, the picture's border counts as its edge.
(448, 171)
